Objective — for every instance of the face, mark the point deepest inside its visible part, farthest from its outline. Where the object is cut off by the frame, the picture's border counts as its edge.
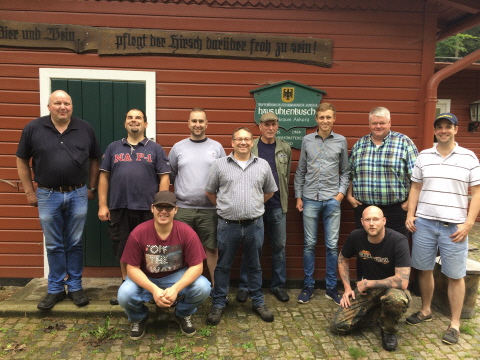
(373, 221)
(325, 120)
(197, 123)
(269, 129)
(379, 126)
(242, 143)
(445, 131)
(60, 106)
(135, 123)
(163, 213)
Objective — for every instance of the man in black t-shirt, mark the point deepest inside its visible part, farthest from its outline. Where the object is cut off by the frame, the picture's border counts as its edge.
(382, 293)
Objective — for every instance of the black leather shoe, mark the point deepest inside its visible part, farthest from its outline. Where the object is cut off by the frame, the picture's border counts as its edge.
(50, 300)
(242, 295)
(389, 341)
(280, 294)
(79, 298)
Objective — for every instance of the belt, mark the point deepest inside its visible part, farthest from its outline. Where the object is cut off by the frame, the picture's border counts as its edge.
(63, 188)
(239, 222)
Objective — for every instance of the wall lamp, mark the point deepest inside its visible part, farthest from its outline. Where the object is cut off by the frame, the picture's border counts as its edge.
(474, 116)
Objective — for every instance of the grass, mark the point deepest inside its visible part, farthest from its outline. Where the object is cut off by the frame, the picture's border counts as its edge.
(467, 329)
(177, 351)
(356, 353)
(106, 332)
(205, 332)
(248, 345)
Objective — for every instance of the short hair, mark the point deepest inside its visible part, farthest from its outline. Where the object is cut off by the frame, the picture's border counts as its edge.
(144, 116)
(241, 128)
(325, 107)
(198, 109)
(380, 112)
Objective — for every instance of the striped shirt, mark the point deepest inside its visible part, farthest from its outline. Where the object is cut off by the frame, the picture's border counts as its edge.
(381, 175)
(444, 194)
(240, 192)
(323, 168)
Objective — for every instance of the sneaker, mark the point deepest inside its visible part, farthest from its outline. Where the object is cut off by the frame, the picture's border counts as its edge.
(186, 324)
(280, 294)
(389, 341)
(137, 329)
(333, 295)
(265, 314)
(214, 316)
(451, 336)
(79, 297)
(242, 295)
(306, 295)
(50, 300)
(417, 318)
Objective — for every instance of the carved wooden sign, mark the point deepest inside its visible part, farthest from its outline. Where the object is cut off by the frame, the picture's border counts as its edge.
(108, 41)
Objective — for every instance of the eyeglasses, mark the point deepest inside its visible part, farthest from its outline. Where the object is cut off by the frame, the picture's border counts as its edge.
(243, 139)
(168, 208)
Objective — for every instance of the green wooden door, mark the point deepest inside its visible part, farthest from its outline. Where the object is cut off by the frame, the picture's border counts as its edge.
(104, 105)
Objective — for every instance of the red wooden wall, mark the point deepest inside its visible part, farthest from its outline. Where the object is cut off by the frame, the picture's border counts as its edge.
(380, 58)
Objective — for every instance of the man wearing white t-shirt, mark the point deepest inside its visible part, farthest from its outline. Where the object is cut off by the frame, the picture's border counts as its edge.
(439, 217)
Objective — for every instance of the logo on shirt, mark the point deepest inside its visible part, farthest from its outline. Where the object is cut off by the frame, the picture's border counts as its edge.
(365, 254)
(127, 158)
(163, 258)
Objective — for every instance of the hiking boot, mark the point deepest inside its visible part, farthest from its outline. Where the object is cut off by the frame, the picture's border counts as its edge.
(49, 301)
(186, 324)
(79, 297)
(137, 328)
(214, 316)
(333, 295)
(305, 295)
(265, 314)
(280, 294)
(417, 318)
(242, 295)
(451, 336)
(389, 341)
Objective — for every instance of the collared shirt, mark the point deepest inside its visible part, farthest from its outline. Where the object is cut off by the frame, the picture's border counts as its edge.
(240, 192)
(381, 174)
(444, 194)
(323, 168)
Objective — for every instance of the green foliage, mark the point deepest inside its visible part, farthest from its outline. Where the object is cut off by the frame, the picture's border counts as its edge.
(205, 331)
(459, 45)
(106, 332)
(357, 353)
(467, 329)
(248, 345)
(177, 351)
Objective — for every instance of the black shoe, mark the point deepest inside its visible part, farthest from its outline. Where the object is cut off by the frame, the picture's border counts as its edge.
(50, 300)
(389, 341)
(280, 294)
(79, 297)
(451, 336)
(137, 329)
(265, 314)
(214, 316)
(114, 300)
(242, 295)
(186, 325)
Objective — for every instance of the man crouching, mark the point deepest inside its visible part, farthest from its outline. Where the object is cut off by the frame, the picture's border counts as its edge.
(382, 293)
(164, 260)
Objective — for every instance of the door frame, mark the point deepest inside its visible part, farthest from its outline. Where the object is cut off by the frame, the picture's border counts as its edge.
(148, 77)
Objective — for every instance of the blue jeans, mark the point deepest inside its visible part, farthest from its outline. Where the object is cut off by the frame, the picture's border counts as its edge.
(62, 216)
(275, 221)
(230, 236)
(131, 296)
(330, 211)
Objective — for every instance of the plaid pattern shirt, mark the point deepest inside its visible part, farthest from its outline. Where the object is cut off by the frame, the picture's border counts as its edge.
(381, 175)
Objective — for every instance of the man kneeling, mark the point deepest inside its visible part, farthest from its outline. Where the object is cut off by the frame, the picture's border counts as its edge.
(164, 260)
(381, 294)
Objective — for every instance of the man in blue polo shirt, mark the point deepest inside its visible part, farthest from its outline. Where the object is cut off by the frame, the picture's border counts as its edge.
(136, 169)
(65, 152)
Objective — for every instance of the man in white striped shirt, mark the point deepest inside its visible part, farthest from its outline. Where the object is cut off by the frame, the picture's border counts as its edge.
(439, 218)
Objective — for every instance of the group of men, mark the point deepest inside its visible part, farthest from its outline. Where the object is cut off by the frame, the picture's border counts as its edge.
(233, 200)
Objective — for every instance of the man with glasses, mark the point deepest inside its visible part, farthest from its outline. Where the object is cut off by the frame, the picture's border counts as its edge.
(164, 260)
(321, 182)
(279, 155)
(124, 163)
(382, 293)
(239, 185)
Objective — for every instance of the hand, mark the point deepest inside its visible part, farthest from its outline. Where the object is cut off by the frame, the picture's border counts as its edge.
(165, 297)
(299, 205)
(339, 197)
(103, 213)
(345, 300)
(461, 234)
(362, 286)
(91, 195)
(410, 223)
(32, 199)
(354, 202)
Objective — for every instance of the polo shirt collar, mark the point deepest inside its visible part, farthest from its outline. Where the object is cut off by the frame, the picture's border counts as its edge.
(48, 122)
(143, 142)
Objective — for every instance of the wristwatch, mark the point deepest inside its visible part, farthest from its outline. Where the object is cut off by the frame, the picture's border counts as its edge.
(93, 190)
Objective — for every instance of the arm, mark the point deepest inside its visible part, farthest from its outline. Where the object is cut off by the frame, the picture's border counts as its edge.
(103, 211)
(344, 168)
(463, 229)
(398, 281)
(344, 271)
(164, 182)
(354, 202)
(299, 205)
(94, 172)
(267, 197)
(212, 197)
(23, 168)
(413, 197)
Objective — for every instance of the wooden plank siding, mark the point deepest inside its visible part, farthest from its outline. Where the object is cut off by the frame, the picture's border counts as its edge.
(377, 61)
